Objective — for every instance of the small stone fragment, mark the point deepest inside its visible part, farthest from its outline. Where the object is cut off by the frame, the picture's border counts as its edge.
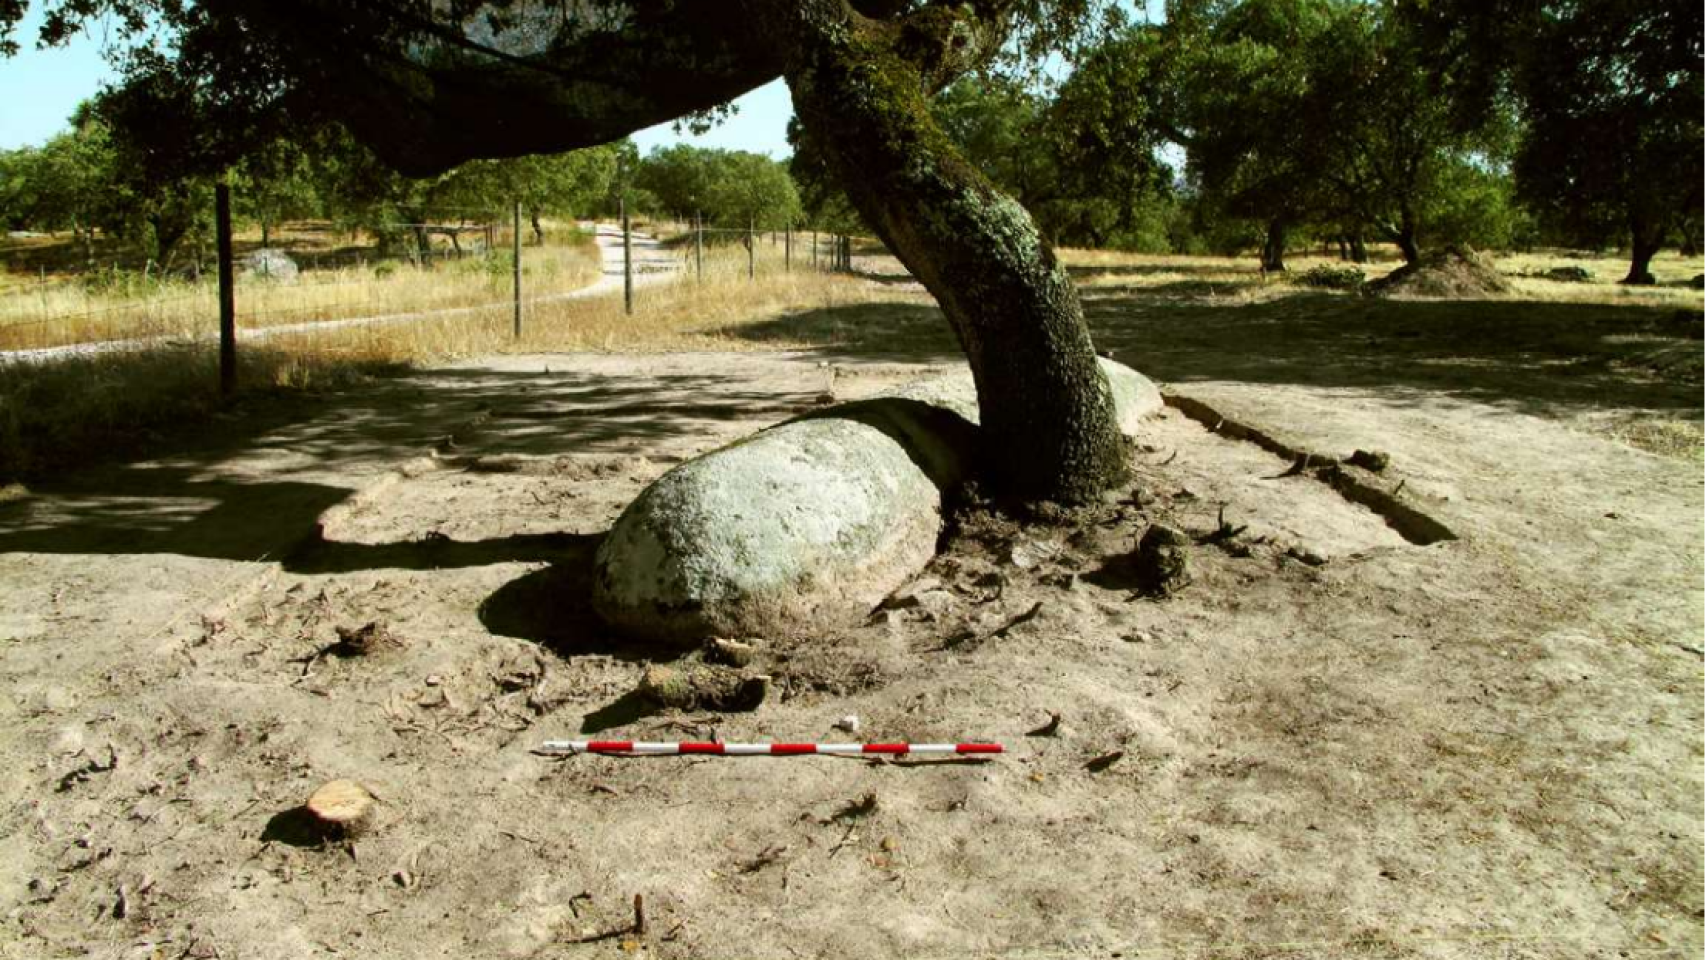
(912, 594)
(1306, 556)
(733, 653)
(1049, 729)
(1026, 554)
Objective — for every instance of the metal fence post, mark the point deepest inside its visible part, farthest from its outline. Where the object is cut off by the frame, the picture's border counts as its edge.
(515, 267)
(627, 259)
(699, 243)
(227, 289)
(814, 249)
(751, 250)
(788, 249)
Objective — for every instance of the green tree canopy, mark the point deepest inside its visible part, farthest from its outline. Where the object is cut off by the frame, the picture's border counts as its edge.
(1331, 113)
(1613, 96)
(430, 85)
(731, 188)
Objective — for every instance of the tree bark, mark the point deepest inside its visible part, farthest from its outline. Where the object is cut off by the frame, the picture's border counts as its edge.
(538, 228)
(1645, 240)
(1689, 245)
(1407, 246)
(87, 239)
(166, 239)
(1406, 235)
(860, 88)
(1273, 247)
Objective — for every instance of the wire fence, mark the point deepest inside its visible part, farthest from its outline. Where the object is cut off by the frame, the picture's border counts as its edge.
(483, 267)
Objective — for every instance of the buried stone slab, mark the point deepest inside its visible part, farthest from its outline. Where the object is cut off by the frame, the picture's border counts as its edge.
(807, 525)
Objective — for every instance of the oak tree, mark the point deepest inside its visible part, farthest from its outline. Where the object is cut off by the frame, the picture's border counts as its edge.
(431, 83)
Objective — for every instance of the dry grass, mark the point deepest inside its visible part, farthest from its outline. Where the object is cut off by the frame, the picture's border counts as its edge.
(53, 415)
(60, 416)
(1677, 439)
(126, 306)
(689, 314)
(57, 415)
(1239, 280)
(1223, 280)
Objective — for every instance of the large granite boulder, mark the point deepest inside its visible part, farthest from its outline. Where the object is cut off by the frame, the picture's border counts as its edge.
(807, 525)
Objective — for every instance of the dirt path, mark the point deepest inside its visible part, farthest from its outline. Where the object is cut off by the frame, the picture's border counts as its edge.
(1483, 747)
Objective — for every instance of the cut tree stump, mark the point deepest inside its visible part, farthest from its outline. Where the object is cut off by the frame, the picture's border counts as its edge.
(341, 809)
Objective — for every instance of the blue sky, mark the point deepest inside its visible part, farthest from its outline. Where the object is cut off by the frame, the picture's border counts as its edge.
(40, 88)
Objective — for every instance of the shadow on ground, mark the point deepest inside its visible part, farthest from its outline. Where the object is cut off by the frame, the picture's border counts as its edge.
(1538, 357)
(257, 490)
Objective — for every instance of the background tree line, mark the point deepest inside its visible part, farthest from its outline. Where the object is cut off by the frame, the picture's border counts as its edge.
(1254, 125)
(97, 178)
(1419, 123)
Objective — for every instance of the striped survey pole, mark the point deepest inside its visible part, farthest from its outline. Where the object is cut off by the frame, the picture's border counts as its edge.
(640, 748)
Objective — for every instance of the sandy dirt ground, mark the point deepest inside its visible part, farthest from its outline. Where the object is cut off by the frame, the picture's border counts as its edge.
(1342, 738)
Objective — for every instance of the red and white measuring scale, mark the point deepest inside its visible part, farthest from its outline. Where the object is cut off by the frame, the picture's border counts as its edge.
(639, 748)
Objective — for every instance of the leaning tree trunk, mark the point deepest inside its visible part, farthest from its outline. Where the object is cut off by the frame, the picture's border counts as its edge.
(860, 88)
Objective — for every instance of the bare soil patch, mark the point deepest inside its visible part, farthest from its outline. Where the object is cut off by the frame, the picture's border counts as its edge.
(1329, 741)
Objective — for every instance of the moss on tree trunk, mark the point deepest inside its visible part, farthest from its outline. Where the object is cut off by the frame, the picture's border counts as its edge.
(860, 92)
